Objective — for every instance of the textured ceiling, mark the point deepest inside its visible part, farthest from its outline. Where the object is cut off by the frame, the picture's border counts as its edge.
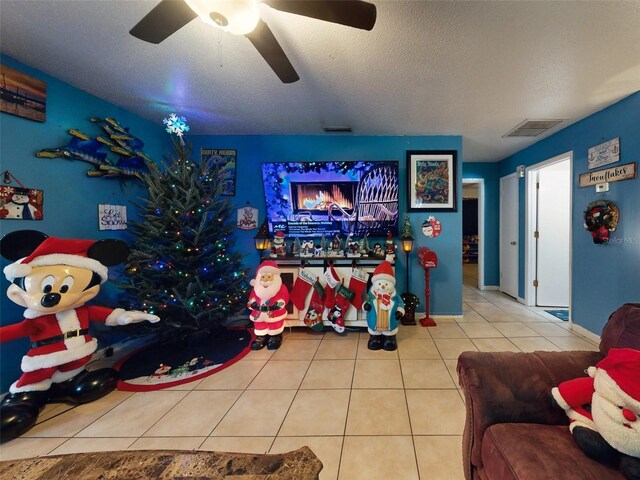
(472, 68)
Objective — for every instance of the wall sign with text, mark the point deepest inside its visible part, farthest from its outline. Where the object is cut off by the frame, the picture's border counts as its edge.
(627, 171)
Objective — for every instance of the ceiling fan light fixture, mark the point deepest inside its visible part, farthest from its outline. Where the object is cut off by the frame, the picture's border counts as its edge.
(238, 17)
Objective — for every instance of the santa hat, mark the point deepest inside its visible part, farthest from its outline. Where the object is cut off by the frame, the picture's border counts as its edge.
(268, 266)
(623, 366)
(57, 251)
(384, 271)
(279, 234)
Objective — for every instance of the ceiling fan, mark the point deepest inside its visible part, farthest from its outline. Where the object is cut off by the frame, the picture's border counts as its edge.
(242, 17)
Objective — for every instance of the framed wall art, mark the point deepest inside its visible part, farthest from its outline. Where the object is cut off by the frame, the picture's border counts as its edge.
(22, 95)
(19, 203)
(431, 179)
(225, 163)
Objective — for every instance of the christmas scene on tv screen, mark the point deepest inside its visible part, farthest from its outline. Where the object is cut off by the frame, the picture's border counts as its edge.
(313, 199)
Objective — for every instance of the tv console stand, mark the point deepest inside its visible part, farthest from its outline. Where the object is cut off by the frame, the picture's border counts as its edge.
(289, 267)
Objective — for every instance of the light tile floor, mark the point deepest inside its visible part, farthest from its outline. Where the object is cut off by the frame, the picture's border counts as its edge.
(367, 415)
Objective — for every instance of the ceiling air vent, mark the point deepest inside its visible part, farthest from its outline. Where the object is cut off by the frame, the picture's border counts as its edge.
(532, 128)
(337, 129)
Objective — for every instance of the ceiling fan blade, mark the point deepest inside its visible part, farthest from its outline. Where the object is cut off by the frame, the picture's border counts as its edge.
(352, 13)
(262, 38)
(165, 19)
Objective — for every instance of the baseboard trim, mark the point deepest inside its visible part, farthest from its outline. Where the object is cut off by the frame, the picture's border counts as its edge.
(442, 315)
(490, 287)
(585, 333)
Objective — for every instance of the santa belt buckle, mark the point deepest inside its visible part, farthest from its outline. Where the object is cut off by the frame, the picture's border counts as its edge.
(60, 338)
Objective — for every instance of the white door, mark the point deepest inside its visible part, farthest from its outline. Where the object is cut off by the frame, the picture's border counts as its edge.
(509, 235)
(553, 235)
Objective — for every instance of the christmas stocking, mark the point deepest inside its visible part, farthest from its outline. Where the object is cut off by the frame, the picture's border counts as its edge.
(313, 317)
(334, 303)
(357, 285)
(344, 297)
(301, 288)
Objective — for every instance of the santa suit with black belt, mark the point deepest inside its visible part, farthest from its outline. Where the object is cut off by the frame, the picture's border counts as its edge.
(60, 344)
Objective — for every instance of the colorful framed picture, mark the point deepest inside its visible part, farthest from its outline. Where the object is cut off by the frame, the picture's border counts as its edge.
(225, 163)
(18, 203)
(431, 178)
(22, 95)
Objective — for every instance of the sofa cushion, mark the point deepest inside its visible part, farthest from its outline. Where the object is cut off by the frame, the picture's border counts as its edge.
(622, 329)
(537, 452)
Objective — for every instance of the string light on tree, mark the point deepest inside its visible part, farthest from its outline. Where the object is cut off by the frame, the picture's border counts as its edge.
(188, 230)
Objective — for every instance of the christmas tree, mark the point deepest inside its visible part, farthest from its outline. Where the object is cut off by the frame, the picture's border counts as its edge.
(181, 266)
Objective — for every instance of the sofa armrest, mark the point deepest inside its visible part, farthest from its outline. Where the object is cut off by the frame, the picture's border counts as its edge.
(508, 387)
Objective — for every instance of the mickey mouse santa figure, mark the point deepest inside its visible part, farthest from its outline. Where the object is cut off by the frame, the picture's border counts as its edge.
(53, 278)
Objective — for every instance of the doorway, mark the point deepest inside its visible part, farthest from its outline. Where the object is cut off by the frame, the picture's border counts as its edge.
(473, 232)
(509, 250)
(548, 233)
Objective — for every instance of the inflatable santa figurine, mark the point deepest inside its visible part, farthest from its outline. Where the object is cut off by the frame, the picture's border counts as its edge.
(53, 278)
(384, 309)
(267, 304)
(604, 410)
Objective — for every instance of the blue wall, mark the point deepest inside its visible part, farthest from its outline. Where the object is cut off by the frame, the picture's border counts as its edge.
(70, 197)
(489, 173)
(603, 276)
(446, 280)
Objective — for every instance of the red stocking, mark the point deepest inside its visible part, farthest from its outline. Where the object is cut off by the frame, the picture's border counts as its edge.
(313, 317)
(301, 288)
(344, 297)
(357, 285)
(332, 278)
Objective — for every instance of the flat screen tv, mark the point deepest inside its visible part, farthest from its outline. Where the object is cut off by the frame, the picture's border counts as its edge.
(312, 199)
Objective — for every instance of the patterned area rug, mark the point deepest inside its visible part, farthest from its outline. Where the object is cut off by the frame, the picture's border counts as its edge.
(561, 314)
(175, 362)
(301, 464)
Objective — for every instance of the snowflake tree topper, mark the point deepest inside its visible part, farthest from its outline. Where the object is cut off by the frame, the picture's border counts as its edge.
(176, 124)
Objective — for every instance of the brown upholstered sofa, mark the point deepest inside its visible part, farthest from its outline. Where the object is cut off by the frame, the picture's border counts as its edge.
(512, 430)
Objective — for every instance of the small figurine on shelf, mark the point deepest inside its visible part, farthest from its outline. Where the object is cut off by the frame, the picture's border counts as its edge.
(336, 246)
(318, 251)
(307, 248)
(384, 308)
(324, 245)
(279, 249)
(390, 248)
(353, 249)
(267, 303)
(377, 251)
(364, 246)
(296, 247)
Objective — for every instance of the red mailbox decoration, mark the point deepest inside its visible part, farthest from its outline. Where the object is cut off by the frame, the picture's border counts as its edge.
(428, 259)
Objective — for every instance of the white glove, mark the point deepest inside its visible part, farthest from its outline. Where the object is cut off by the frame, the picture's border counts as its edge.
(122, 317)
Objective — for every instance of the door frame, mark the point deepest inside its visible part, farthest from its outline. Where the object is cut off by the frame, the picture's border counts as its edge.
(531, 211)
(501, 247)
(480, 182)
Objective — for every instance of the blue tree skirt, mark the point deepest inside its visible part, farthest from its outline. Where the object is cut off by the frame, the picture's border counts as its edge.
(170, 363)
(561, 314)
